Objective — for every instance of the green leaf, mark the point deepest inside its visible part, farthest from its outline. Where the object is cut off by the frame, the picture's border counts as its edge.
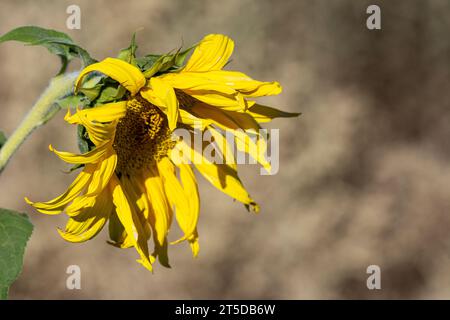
(15, 230)
(2, 139)
(56, 42)
(129, 54)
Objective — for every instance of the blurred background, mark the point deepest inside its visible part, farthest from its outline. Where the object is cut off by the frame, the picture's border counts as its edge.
(364, 173)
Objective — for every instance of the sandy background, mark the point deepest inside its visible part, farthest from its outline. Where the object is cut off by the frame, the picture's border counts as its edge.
(365, 171)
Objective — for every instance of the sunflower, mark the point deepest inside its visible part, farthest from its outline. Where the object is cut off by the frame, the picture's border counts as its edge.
(132, 176)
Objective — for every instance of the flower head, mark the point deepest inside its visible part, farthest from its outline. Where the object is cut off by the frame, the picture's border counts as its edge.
(135, 175)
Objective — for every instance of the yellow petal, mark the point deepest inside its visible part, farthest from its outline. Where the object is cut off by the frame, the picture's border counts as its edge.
(105, 113)
(186, 212)
(126, 74)
(92, 156)
(222, 176)
(191, 190)
(244, 84)
(117, 233)
(195, 247)
(206, 89)
(58, 204)
(240, 125)
(160, 213)
(193, 121)
(99, 182)
(90, 222)
(99, 133)
(140, 201)
(226, 150)
(162, 95)
(212, 53)
(130, 221)
(233, 102)
(224, 118)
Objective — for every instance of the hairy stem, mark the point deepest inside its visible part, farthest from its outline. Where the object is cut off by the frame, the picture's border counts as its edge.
(43, 110)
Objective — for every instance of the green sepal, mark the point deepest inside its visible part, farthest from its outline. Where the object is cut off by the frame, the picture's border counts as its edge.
(73, 101)
(164, 63)
(110, 94)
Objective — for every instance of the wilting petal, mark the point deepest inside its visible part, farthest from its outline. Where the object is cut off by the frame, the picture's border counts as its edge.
(58, 204)
(223, 118)
(195, 247)
(162, 95)
(117, 233)
(212, 53)
(98, 132)
(126, 74)
(105, 113)
(161, 214)
(179, 196)
(203, 88)
(92, 156)
(224, 147)
(244, 84)
(240, 125)
(222, 176)
(99, 182)
(90, 222)
(191, 190)
(192, 121)
(140, 201)
(130, 221)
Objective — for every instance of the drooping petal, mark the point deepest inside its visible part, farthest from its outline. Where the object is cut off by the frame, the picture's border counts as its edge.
(105, 113)
(163, 95)
(212, 53)
(92, 156)
(58, 204)
(241, 125)
(226, 150)
(225, 119)
(126, 74)
(140, 201)
(195, 247)
(191, 189)
(233, 102)
(244, 84)
(160, 216)
(90, 222)
(222, 176)
(178, 195)
(206, 89)
(99, 182)
(99, 133)
(117, 233)
(130, 221)
(193, 121)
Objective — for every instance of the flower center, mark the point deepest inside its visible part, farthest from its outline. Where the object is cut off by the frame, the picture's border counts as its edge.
(142, 137)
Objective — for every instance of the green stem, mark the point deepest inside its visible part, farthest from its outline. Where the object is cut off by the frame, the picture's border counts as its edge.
(43, 110)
